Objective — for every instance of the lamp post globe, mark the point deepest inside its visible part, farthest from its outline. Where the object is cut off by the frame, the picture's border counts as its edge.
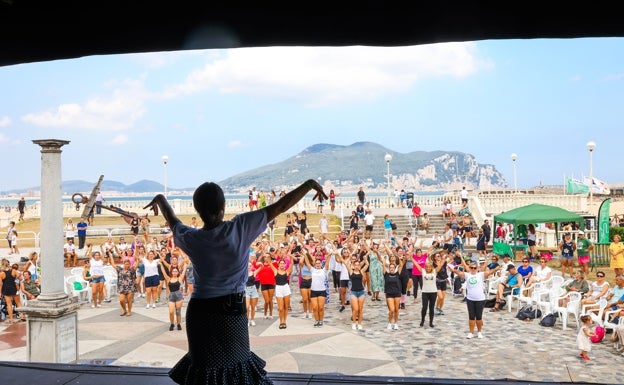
(388, 159)
(513, 157)
(591, 146)
(165, 160)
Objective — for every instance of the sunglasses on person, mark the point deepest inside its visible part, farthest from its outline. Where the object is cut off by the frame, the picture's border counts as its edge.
(473, 268)
(525, 261)
(600, 275)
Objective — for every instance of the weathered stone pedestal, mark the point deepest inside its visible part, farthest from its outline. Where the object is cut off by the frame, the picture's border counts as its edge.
(52, 330)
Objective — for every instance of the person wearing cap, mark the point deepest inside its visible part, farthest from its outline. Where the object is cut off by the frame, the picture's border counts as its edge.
(583, 247)
(510, 286)
(567, 247)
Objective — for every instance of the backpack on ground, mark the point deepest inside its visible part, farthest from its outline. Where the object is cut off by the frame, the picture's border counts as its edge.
(527, 312)
(549, 320)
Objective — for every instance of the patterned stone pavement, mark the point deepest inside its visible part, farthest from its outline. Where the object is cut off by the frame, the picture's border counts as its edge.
(511, 349)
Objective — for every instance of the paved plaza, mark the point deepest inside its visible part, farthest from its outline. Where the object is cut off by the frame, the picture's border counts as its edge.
(511, 349)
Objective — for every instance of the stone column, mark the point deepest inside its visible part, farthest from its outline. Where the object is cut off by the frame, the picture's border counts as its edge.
(52, 333)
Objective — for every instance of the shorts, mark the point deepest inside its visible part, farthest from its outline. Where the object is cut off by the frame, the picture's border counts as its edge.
(394, 295)
(583, 259)
(567, 257)
(282, 291)
(100, 279)
(318, 293)
(251, 291)
(441, 284)
(358, 293)
(531, 242)
(344, 283)
(368, 228)
(264, 287)
(152, 281)
(306, 283)
(176, 296)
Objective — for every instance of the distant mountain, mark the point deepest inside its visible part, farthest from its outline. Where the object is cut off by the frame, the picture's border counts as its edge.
(363, 164)
(344, 168)
(80, 186)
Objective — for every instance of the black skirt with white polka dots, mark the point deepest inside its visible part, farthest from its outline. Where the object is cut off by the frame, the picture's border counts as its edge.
(218, 340)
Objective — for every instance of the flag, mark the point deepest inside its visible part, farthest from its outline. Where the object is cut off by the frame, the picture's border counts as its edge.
(574, 186)
(603, 221)
(597, 186)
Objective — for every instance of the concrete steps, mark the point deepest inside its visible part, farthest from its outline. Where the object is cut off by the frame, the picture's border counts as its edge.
(402, 218)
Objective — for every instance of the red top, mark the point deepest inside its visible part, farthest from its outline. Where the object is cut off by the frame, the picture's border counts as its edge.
(266, 275)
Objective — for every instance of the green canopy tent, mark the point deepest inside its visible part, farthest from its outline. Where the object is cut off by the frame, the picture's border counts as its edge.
(533, 213)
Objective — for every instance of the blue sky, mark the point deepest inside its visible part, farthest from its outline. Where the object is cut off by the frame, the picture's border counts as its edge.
(216, 113)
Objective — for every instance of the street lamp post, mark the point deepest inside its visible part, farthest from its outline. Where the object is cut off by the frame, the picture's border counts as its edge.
(165, 159)
(513, 157)
(388, 158)
(591, 146)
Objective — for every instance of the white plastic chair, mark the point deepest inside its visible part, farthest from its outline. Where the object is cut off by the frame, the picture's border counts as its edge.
(512, 296)
(556, 281)
(572, 306)
(77, 271)
(110, 276)
(607, 324)
(543, 299)
(594, 308)
(85, 291)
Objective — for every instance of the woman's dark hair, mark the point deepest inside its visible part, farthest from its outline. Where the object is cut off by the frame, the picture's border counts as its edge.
(208, 200)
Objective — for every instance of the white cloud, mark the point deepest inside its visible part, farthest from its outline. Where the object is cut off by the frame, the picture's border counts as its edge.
(120, 139)
(115, 112)
(323, 75)
(235, 144)
(614, 77)
(5, 121)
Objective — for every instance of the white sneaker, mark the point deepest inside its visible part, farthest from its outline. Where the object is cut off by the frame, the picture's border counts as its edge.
(389, 326)
(153, 306)
(253, 323)
(396, 326)
(98, 305)
(479, 335)
(470, 335)
(248, 322)
(92, 306)
(360, 327)
(353, 327)
(147, 306)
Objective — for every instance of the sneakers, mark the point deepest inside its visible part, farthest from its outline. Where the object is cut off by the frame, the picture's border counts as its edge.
(470, 335)
(107, 299)
(353, 327)
(98, 305)
(342, 308)
(360, 327)
(92, 306)
(147, 306)
(316, 323)
(171, 327)
(389, 327)
(440, 312)
(179, 327)
(396, 327)
(252, 323)
(402, 306)
(479, 335)
(153, 306)
(320, 323)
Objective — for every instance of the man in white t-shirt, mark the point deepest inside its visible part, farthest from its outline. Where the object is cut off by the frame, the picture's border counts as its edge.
(369, 220)
(69, 250)
(464, 195)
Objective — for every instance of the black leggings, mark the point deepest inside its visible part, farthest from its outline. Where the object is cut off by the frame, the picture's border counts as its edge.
(475, 309)
(428, 300)
(417, 282)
